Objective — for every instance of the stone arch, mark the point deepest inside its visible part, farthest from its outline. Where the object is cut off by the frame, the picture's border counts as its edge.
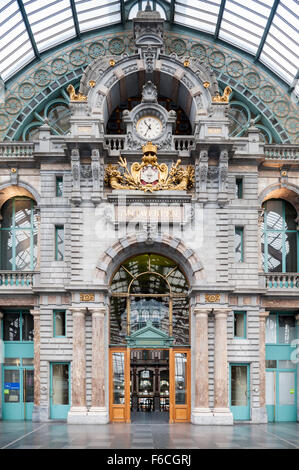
(164, 244)
(288, 191)
(109, 80)
(8, 190)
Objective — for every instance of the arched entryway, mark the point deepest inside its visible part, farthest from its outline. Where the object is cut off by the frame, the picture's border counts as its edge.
(149, 341)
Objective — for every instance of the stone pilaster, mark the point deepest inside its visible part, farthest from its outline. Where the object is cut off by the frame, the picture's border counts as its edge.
(98, 412)
(297, 320)
(78, 409)
(36, 414)
(222, 413)
(262, 412)
(201, 413)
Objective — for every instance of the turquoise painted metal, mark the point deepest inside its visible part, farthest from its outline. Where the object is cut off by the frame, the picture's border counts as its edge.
(241, 411)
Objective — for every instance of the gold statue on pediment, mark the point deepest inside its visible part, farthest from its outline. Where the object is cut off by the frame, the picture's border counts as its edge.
(75, 96)
(224, 98)
(149, 175)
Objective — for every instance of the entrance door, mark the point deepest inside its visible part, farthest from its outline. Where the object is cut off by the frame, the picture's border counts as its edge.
(180, 377)
(18, 393)
(59, 390)
(120, 385)
(281, 395)
(240, 391)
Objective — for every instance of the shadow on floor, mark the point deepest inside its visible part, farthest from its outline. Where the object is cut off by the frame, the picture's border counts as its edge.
(149, 417)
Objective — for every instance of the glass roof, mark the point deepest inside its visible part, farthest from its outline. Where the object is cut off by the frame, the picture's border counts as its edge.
(267, 29)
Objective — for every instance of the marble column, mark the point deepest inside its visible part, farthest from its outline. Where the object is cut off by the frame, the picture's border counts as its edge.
(98, 412)
(201, 413)
(262, 366)
(36, 413)
(78, 409)
(222, 413)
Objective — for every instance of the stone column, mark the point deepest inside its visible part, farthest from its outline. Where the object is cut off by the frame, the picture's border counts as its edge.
(263, 412)
(78, 409)
(222, 413)
(98, 412)
(201, 413)
(36, 415)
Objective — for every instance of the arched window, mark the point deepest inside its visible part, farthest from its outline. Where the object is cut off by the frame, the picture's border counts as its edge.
(18, 235)
(279, 237)
(149, 289)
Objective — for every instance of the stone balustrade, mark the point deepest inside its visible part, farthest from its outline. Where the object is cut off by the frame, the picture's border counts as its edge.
(282, 280)
(16, 279)
(115, 142)
(183, 143)
(16, 149)
(282, 152)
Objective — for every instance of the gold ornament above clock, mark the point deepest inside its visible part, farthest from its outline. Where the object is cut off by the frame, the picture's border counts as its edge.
(149, 175)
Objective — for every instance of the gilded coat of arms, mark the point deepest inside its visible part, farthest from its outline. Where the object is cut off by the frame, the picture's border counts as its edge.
(149, 175)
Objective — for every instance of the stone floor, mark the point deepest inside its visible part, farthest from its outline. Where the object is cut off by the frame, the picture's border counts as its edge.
(59, 435)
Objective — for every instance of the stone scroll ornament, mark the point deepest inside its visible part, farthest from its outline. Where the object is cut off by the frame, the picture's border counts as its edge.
(149, 175)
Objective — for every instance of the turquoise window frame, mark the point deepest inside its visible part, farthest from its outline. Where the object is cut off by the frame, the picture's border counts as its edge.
(13, 229)
(278, 314)
(240, 312)
(21, 340)
(59, 228)
(59, 185)
(239, 231)
(239, 188)
(54, 323)
(283, 233)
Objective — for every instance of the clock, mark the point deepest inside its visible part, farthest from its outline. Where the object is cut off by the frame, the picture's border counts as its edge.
(149, 127)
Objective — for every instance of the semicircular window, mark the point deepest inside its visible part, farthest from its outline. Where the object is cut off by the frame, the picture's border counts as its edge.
(149, 293)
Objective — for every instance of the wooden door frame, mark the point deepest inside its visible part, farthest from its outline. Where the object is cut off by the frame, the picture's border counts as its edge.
(172, 405)
(126, 406)
(127, 372)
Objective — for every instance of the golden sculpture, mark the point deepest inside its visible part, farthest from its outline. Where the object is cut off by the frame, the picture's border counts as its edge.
(149, 175)
(224, 98)
(74, 96)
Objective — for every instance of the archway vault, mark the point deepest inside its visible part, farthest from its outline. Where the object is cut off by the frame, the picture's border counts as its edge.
(163, 244)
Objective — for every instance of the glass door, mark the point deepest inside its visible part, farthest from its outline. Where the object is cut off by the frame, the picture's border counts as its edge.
(59, 390)
(240, 391)
(12, 394)
(286, 400)
(18, 393)
(120, 385)
(179, 374)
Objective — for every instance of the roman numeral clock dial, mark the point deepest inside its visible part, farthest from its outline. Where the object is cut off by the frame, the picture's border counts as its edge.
(149, 127)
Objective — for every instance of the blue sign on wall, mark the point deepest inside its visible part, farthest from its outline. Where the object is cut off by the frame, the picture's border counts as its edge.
(12, 385)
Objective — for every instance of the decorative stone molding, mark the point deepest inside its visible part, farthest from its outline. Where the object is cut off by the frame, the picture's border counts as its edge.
(170, 246)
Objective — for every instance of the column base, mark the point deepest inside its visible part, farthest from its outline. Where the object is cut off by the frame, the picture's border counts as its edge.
(97, 415)
(77, 415)
(259, 415)
(223, 417)
(40, 413)
(202, 416)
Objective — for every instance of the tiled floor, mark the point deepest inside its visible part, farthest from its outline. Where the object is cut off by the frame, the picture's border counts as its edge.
(59, 435)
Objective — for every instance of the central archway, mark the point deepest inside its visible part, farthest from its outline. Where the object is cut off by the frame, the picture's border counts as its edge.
(149, 341)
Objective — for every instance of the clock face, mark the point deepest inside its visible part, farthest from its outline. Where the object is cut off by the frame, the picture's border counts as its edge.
(149, 127)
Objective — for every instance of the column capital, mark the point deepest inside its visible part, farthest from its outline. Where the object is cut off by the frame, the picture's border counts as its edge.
(221, 312)
(97, 311)
(35, 312)
(263, 315)
(78, 311)
(198, 311)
